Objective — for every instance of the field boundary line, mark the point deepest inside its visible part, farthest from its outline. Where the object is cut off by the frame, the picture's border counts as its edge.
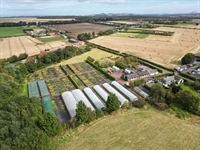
(22, 45)
(10, 51)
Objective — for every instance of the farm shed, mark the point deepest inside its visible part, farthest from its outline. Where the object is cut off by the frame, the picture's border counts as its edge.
(33, 89)
(43, 88)
(47, 105)
(70, 103)
(78, 95)
(140, 92)
(126, 92)
(112, 90)
(101, 92)
(95, 100)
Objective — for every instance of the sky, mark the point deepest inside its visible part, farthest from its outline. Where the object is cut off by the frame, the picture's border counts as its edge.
(88, 7)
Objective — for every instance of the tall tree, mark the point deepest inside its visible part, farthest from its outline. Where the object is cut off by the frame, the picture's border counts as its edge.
(112, 103)
(81, 113)
(188, 58)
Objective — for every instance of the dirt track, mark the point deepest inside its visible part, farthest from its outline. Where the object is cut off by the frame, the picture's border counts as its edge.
(162, 52)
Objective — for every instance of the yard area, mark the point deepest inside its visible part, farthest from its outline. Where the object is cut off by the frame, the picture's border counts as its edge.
(11, 31)
(185, 87)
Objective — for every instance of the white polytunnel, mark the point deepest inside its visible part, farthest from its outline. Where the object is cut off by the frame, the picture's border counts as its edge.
(78, 95)
(101, 92)
(70, 103)
(95, 100)
(127, 93)
(112, 90)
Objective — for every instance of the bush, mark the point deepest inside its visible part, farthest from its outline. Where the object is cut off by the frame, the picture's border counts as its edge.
(139, 103)
(179, 112)
(99, 113)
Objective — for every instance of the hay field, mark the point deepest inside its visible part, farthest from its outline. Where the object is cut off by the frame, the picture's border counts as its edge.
(162, 52)
(78, 28)
(138, 130)
(26, 44)
(30, 20)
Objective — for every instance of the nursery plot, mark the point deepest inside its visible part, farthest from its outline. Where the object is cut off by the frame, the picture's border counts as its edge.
(78, 81)
(100, 78)
(85, 80)
(68, 83)
(60, 85)
(52, 87)
(52, 72)
(62, 112)
(31, 77)
(91, 78)
(38, 75)
(45, 74)
(68, 70)
(73, 68)
(59, 71)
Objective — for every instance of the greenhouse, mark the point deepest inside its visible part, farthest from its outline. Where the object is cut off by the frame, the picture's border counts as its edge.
(95, 100)
(140, 92)
(78, 95)
(43, 88)
(101, 92)
(70, 103)
(47, 105)
(112, 90)
(33, 89)
(127, 93)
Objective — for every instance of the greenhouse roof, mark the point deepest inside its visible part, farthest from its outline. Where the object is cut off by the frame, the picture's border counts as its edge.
(33, 89)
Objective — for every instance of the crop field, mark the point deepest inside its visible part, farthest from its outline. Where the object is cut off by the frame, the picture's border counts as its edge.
(135, 130)
(26, 44)
(188, 25)
(78, 28)
(167, 52)
(11, 31)
(30, 19)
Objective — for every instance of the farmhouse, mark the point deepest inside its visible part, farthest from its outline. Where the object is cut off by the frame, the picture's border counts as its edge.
(42, 53)
(143, 73)
(131, 76)
(153, 72)
(81, 43)
(170, 79)
(29, 58)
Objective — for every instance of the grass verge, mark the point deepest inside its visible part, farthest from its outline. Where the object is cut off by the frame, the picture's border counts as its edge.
(185, 87)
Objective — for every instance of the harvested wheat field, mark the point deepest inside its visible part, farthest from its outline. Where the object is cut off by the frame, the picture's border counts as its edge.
(126, 22)
(26, 44)
(139, 130)
(78, 28)
(167, 52)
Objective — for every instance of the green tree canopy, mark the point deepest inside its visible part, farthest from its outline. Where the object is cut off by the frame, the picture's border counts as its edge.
(81, 113)
(112, 103)
(188, 58)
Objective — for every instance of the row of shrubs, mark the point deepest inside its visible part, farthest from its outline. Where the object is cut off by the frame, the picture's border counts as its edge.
(189, 76)
(100, 70)
(164, 33)
(70, 78)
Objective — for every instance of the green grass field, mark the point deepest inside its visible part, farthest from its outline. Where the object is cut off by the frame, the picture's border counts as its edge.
(126, 35)
(11, 31)
(51, 39)
(94, 53)
(185, 87)
(133, 129)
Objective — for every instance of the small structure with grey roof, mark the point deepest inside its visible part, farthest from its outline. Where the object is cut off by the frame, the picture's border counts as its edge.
(143, 73)
(141, 92)
(131, 76)
(170, 79)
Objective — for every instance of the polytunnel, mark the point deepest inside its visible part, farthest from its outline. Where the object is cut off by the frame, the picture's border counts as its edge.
(112, 90)
(127, 93)
(70, 103)
(78, 95)
(95, 100)
(101, 92)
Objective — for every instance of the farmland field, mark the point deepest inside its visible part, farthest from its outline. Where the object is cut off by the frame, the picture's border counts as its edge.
(78, 28)
(30, 20)
(94, 53)
(166, 52)
(11, 31)
(135, 129)
(26, 44)
(188, 25)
